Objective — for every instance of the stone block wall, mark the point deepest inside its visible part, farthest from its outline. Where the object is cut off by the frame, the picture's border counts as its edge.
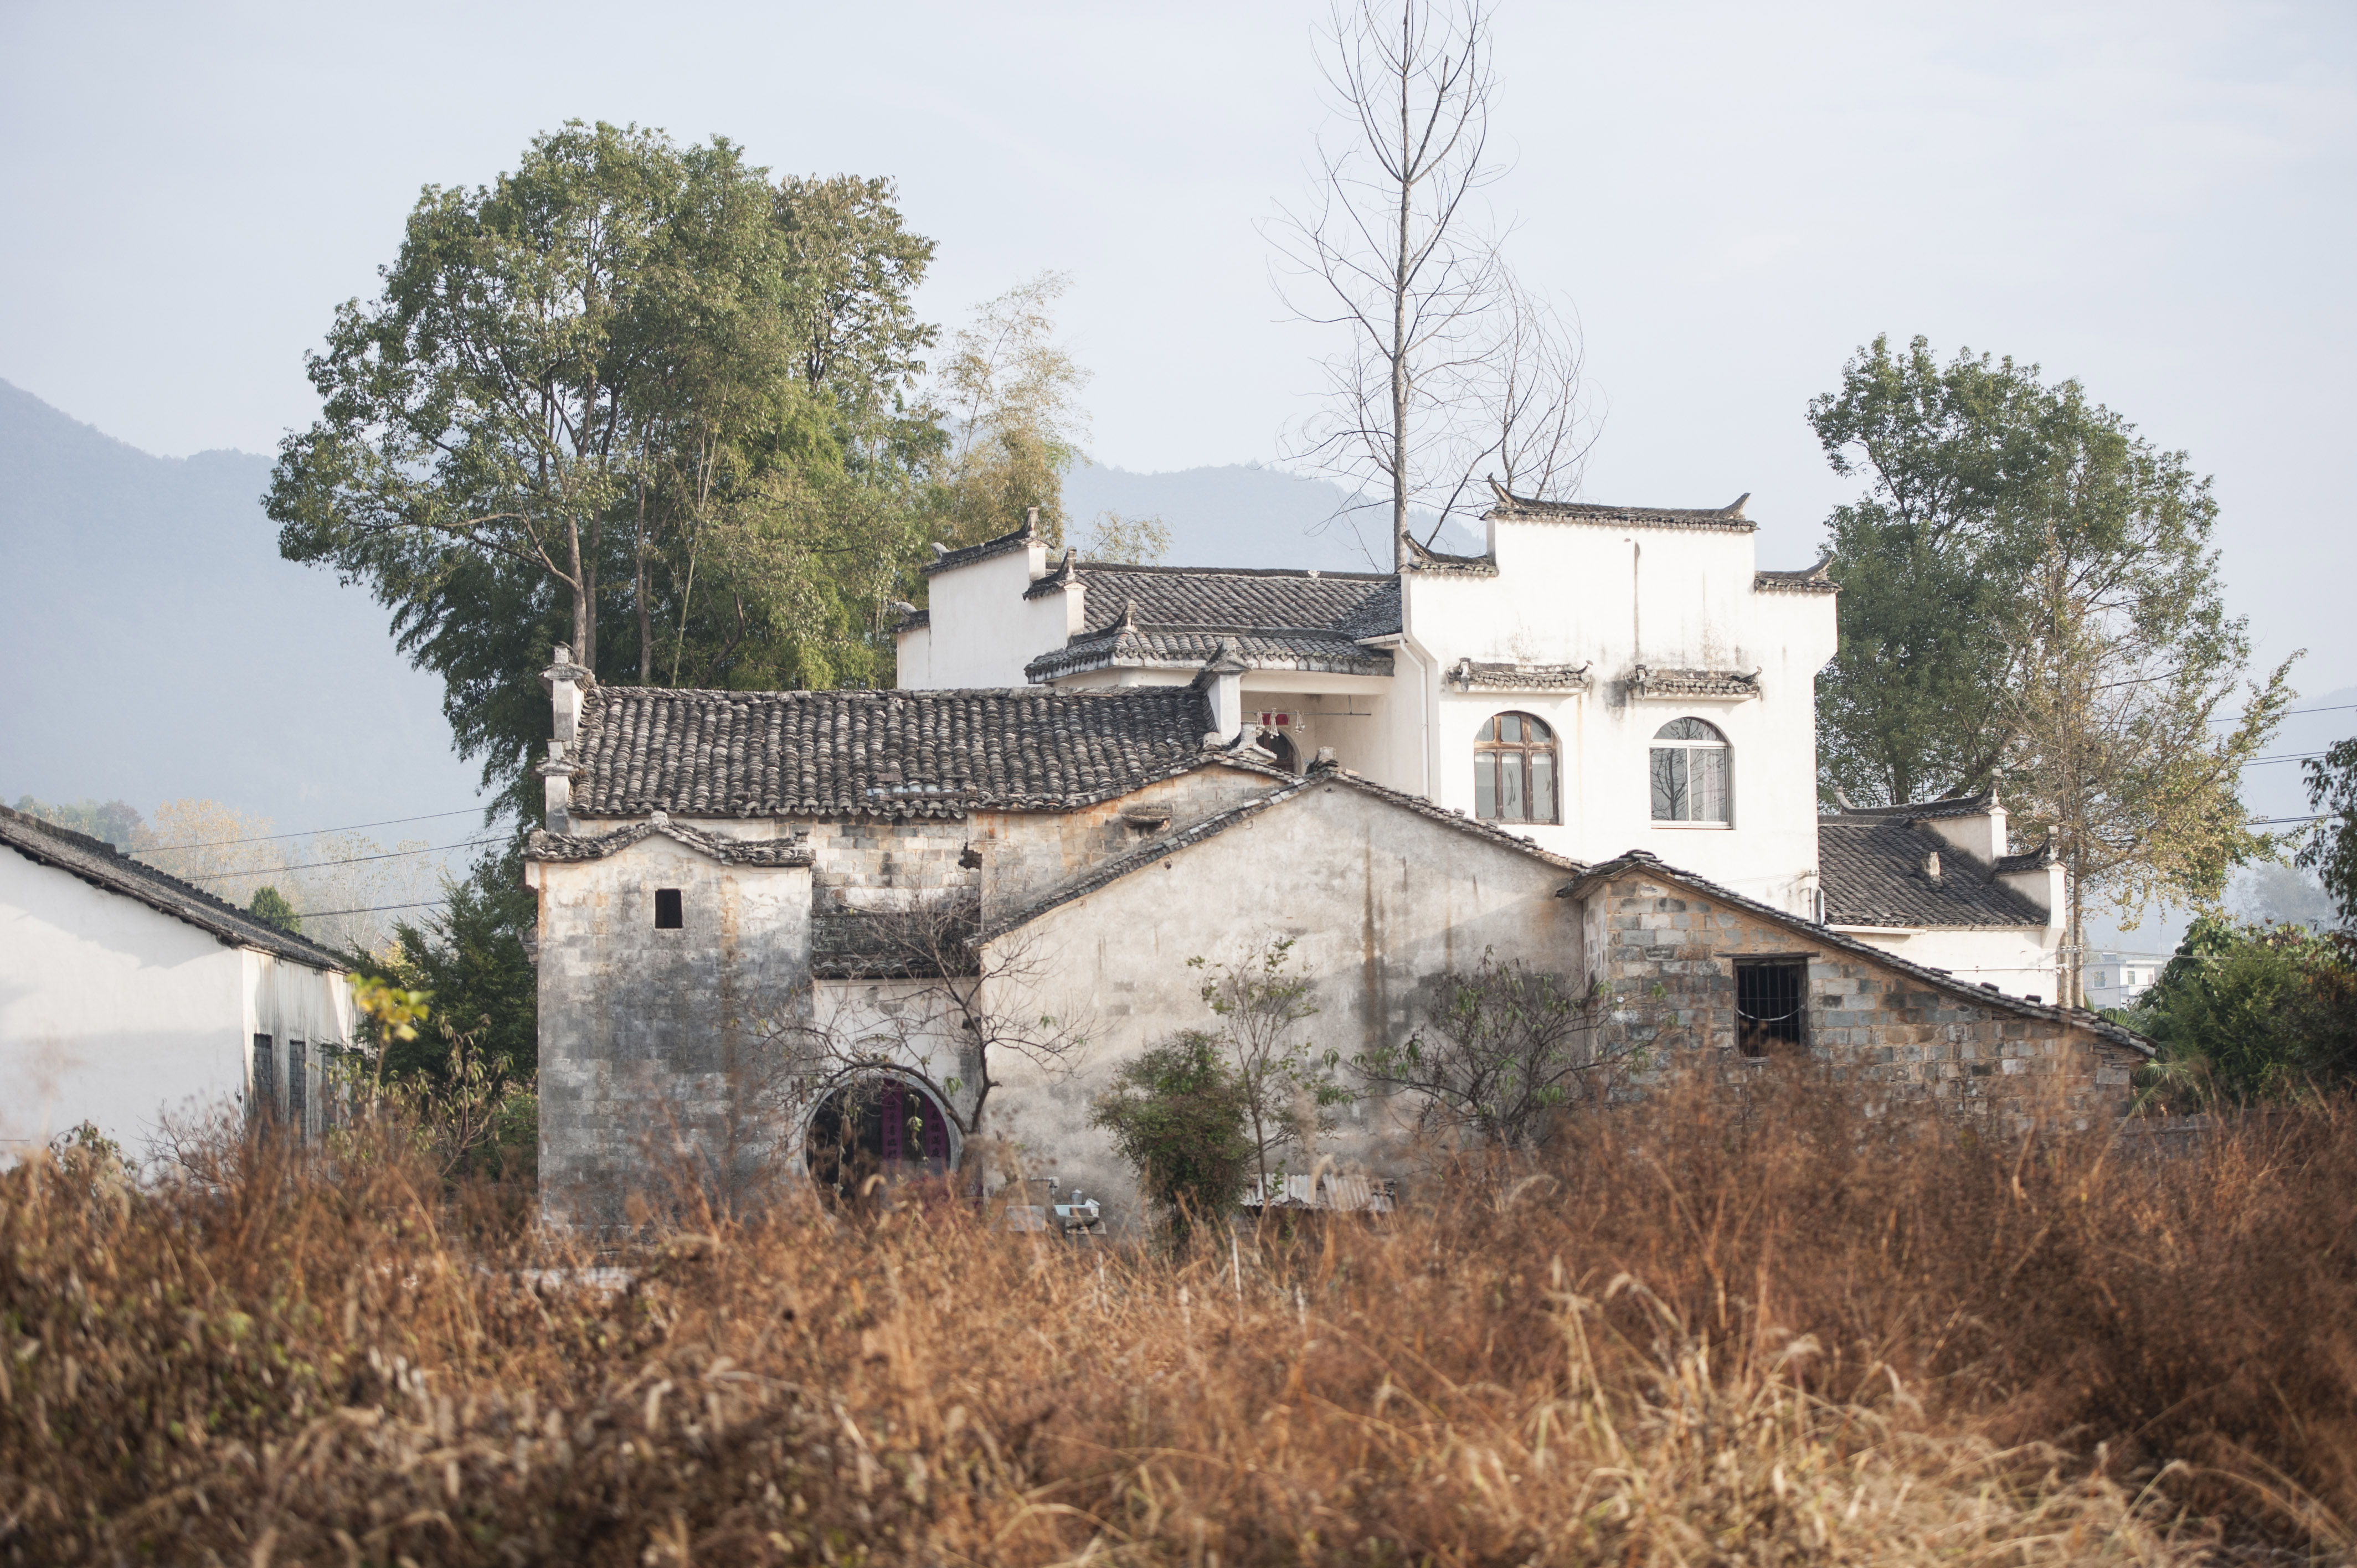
(1667, 955)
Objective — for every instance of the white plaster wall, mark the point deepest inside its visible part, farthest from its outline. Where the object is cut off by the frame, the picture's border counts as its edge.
(117, 1014)
(1381, 902)
(982, 631)
(1613, 597)
(2017, 961)
(915, 664)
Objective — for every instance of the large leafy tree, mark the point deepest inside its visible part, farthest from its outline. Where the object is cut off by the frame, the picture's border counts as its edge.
(2331, 847)
(2029, 587)
(627, 370)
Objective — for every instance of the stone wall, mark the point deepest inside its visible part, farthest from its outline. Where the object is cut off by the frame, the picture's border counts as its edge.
(1666, 954)
(651, 1041)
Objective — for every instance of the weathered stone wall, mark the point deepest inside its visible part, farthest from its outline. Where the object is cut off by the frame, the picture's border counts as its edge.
(1380, 900)
(1026, 853)
(651, 1041)
(1667, 955)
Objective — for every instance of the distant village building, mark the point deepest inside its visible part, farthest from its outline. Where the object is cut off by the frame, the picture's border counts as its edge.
(2119, 978)
(1590, 751)
(127, 995)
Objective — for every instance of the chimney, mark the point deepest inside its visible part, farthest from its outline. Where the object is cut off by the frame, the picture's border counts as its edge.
(556, 785)
(568, 684)
(1932, 865)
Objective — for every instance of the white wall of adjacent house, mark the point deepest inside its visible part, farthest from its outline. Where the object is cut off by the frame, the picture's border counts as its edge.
(2120, 978)
(1613, 597)
(982, 632)
(2019, 961)
(117, 1014)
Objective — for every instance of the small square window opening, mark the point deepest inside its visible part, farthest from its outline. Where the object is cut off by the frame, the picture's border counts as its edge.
(667, 909)
(1770, 1005)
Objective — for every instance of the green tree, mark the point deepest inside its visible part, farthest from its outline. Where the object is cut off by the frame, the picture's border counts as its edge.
(2029, 585)
(2330, 849)
(470, 961)
(270, 907)
(2248, 1012)
(1910, 707)
(627, 370)
(1177, 1115)
(1014, 394)
(1287, 1084)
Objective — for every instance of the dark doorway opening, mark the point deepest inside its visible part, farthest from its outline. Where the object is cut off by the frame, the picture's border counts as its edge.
(1278, 744)
(874, 1127)
(1771, 1005)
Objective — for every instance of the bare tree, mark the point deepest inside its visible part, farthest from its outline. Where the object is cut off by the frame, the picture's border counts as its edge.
(1502, 1053)
(1452, 367)
(935, 1003)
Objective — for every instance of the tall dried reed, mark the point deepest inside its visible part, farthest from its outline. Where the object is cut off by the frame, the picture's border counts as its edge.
(1696, 1337)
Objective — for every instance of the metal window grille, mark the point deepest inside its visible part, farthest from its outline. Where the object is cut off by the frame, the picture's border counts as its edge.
(265, 1104)
(1771, 1005)
(298, 1089)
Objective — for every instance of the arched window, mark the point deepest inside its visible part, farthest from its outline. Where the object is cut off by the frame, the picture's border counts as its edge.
(1690, 773)
(1513, 770)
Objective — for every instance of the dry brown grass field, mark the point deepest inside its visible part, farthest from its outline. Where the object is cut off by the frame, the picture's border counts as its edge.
(1692, 1336)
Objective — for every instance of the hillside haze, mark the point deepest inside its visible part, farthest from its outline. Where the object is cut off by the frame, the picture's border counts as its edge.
(162, 649)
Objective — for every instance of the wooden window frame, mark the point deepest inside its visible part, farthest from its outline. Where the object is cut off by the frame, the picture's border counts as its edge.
(1490, 750)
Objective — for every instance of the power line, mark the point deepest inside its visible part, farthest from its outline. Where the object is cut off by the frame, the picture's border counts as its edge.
(348, 860)
(2288, 713)
(2287, 756)
(374, 909)
(314, 833)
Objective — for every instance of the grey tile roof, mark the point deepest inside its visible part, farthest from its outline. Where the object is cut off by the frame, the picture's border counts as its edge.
(1647, 682)
(1434, 563)
(1178, 618)
(1872, 871)
(1637, 859)
(1808, 580)
(1149, 647)
(1473, 675)
(101, 865)
(2037, 859)
(642, 749)
(1726, 518)
(566, 847)
(1348, 604)
(1005, 544)
(1152, 850)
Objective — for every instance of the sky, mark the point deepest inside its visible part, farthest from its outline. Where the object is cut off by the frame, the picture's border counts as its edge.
(2153, 198)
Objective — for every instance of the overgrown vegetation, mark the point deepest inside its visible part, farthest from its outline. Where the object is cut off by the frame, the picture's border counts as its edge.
(1686, 1338)
(1177, 1115)
(2250, 1013)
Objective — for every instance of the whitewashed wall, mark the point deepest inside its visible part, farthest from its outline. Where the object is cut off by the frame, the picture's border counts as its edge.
(117, 1014)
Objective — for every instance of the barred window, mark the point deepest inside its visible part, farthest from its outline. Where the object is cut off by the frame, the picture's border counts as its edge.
(299, 1088)
(1691, 773)
(263, 1107)
(1515, 770)
(1772, 1005)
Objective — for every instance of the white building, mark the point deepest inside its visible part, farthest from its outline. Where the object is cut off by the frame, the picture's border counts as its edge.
(2117, 979)
(127, 995)
(1673, 683)
(1601, 678)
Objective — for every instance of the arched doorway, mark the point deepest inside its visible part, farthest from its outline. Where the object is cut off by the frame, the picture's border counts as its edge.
(1279, 745)
(878, 1124)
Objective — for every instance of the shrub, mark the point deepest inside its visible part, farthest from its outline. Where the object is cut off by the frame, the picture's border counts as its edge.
(2249, 1013)
(1177, 1115)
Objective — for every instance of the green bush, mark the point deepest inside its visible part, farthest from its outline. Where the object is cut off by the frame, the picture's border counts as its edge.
(2248, 1013)
(1177, 1113)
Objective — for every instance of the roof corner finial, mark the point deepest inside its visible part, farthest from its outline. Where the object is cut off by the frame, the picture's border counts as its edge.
(1129, 615)
(1505, 497)
(1737, 510)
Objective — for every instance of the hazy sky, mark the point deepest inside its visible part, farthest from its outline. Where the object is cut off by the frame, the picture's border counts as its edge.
(2155, 197)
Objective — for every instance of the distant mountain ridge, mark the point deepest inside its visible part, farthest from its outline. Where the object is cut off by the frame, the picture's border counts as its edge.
(162, 649)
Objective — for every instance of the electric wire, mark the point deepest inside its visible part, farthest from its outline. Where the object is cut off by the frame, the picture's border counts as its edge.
(348, 860)
(313, 832)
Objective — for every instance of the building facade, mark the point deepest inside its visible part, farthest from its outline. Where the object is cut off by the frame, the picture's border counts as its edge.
(127, 995)
(922, 930)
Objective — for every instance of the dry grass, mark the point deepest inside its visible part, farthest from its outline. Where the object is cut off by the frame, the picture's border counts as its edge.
(1786, 1338)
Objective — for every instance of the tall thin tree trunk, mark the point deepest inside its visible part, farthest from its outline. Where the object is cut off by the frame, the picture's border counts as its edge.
(646, 621)
(1399, 311)
(581, 649)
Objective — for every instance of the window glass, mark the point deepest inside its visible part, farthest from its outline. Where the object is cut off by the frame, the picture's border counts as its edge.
(1690, 773)
(1515, 771)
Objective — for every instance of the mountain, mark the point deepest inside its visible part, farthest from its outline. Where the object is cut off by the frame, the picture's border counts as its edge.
(1245, 515)
(161, 648)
